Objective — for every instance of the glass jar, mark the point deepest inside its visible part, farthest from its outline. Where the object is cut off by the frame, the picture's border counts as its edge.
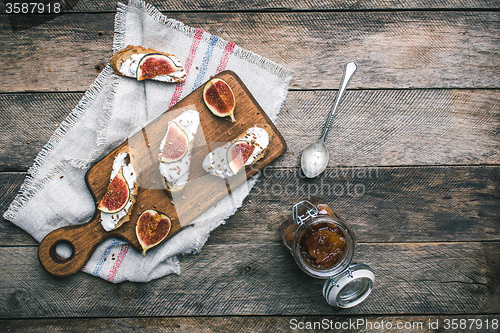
(323, 246)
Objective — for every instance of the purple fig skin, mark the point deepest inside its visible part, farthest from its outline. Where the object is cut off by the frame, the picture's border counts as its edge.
(219, 98)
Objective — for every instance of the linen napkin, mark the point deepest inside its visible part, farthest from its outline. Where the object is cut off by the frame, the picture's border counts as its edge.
(116, 107)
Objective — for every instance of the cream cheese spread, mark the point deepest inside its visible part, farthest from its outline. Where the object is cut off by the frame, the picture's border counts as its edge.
(216, 162)
(110, 221)
(129, 68)
(177, 172)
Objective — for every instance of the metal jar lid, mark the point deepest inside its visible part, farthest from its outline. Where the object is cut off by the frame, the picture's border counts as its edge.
(350, 287)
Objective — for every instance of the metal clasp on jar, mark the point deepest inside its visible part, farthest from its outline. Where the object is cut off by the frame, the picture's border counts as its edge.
(311, 211)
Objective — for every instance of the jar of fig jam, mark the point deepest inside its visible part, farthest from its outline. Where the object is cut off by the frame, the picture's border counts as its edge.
(323, 246)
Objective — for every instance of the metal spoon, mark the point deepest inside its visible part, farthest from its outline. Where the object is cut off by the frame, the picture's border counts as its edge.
(315, 157)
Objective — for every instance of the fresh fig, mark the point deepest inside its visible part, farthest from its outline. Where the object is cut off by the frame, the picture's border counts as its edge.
(175, 144)
(155, 64)
(219, 98)
(238, 154)
(116, 196)
(152, 228)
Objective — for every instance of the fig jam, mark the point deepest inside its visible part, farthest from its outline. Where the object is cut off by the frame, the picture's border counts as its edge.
(322, 245)
(318, 238)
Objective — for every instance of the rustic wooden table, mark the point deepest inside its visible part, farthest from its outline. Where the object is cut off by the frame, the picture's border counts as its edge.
(414, 169)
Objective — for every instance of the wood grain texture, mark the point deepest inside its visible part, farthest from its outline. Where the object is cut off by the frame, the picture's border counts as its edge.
(414, 204)
(9, 233)
(80, 6)
(247, 324)
(425, 161)
(401, 49)
(372, 127)
(402, 127)
(27, 123)
(201, 192)
(263, 279)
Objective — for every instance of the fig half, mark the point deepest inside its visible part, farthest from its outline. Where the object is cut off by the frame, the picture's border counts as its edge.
(116, 196)
(219, 98)
(152, 228)
(238, 154)
(175, 144)
(155, 64)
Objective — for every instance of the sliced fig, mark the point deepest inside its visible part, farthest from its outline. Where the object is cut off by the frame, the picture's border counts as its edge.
(175, 144)
(155, 64)
(238, 154)
(116, 196)
(219, 98)
(152, 228)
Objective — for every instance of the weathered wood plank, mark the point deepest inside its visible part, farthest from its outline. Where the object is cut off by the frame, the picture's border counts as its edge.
(27, 123)
(417, 204)
(10, 182)
(402, 127)
(381, 204)
(76, 6)
(252, 324)
(248, 279)
(227, 5)
(394, 49)
(372, 127)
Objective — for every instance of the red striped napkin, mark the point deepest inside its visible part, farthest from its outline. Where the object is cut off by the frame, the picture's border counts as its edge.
(115, 107)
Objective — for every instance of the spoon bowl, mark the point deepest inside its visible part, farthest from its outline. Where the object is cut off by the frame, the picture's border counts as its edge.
(315, 157)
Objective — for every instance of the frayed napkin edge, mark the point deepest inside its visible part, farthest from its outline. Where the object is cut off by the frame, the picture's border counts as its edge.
(253, 58)
(29, 188)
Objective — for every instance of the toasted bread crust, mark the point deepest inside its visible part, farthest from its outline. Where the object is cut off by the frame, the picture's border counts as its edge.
(123, 55)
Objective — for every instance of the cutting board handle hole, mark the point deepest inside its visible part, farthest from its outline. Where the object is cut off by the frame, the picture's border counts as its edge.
(62, 251)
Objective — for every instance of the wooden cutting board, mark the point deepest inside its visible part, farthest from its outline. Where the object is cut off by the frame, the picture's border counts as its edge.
(200, 193)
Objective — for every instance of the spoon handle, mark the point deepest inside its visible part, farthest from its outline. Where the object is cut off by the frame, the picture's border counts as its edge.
(349, 70)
